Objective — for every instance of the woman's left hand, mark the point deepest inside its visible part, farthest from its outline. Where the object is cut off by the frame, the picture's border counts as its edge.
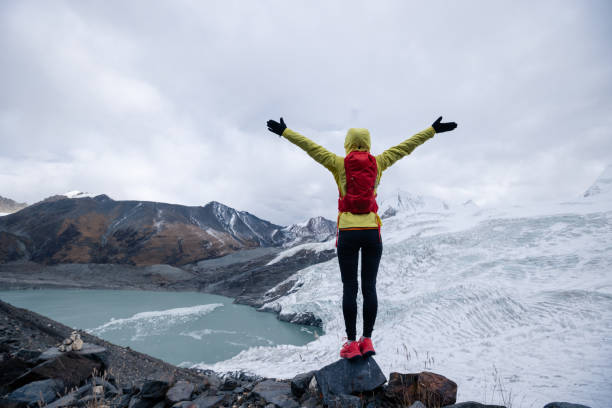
(275, 127)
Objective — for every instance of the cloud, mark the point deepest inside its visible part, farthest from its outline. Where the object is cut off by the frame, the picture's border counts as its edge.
(168, 101)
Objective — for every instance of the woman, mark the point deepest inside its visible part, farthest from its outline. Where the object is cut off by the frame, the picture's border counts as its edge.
(357, 176)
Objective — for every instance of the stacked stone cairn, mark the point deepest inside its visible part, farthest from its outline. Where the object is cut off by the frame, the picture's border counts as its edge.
(72, 343)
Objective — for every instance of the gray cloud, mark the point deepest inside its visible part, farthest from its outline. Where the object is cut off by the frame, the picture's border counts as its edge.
(168, 101)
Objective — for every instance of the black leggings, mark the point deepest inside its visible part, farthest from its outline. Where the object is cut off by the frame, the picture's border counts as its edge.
(349, 243)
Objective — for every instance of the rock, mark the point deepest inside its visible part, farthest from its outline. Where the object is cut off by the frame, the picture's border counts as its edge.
(343, 400)
(346, 377)
(306, 318)
(27, 355)
(276, 392)
(429, 388)
(184, 404)
(84, 390)
(206, 401)
(153, 389)
(210, 381)
(77, 344)
(137, 402)
(67, 341)
(564, 405)
(9, 370)
(472, 404)
(160, 404)
(181, 391)
(86, 401)
(44, 391)
(310, 402)
(128, 390)
(6, 403)
(110, 389)
(228, 384)
(238, 390)
(67, 400)
(299, 384)
(417, 404)
(72, 368)
(92, 351)
(123, 401)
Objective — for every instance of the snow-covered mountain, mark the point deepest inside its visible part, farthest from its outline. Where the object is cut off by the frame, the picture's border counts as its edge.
(517, 296)
(8, 206)
(603, 184)
(78, 228)
(317, 229)
(403, 201)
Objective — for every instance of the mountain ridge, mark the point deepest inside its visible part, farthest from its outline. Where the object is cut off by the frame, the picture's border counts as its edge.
(98, 229)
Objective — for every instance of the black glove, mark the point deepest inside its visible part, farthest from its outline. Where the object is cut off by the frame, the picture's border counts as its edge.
(440, 127)
(275, 127)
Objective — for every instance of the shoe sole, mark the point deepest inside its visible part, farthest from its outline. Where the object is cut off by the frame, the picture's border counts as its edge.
(368, 354)
(355, 357)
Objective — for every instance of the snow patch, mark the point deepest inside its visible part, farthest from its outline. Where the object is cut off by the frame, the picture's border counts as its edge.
(311, 246)
(78, 194)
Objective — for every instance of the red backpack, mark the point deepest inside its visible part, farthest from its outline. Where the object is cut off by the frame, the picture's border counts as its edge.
(361, 171)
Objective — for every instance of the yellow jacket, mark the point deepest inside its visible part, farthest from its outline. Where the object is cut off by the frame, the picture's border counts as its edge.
(357, 139)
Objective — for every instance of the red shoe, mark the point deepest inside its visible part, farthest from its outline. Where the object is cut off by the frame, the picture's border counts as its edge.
(365, 346)
(350, 351)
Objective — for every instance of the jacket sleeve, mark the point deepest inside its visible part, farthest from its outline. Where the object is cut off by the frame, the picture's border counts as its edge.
(393, 154)
(319, 153)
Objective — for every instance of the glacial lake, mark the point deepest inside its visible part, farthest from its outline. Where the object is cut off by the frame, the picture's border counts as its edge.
(178, 327)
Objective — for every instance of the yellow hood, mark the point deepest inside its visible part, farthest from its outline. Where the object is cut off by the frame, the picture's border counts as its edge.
(357, 139)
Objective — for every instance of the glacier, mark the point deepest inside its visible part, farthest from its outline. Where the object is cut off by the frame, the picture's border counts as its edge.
(511, 303)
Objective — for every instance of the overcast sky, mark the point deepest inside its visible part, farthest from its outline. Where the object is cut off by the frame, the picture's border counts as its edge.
(167, 101)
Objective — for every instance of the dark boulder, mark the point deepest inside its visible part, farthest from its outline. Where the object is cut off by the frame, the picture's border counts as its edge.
(29, 356)
(299, 384)
(153, 389)
(109, 389)
(275, 392)
(181, 391)
(9, 370)
(564, 405)
(91, 351)
(137, 402)
(229, 384)
(205, 401)
(343, 400)
(346, 377)
(70, 367)
(68, 400)
(431, 389)
(44, 391)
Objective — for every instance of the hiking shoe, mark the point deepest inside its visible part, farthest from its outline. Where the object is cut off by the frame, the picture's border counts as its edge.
(365, 346)
(350, 351)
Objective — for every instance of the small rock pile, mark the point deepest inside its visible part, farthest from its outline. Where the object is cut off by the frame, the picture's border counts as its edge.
(72, 343)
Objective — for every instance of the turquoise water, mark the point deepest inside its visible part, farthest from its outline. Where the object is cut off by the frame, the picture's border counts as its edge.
(177, 327)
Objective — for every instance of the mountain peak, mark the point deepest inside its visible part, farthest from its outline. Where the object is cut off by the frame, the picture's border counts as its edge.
(78, 194)
(400, 201)
(8, 206)
(602, 185)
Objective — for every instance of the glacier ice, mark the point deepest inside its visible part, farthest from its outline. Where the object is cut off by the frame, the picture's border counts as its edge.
(520, 296)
